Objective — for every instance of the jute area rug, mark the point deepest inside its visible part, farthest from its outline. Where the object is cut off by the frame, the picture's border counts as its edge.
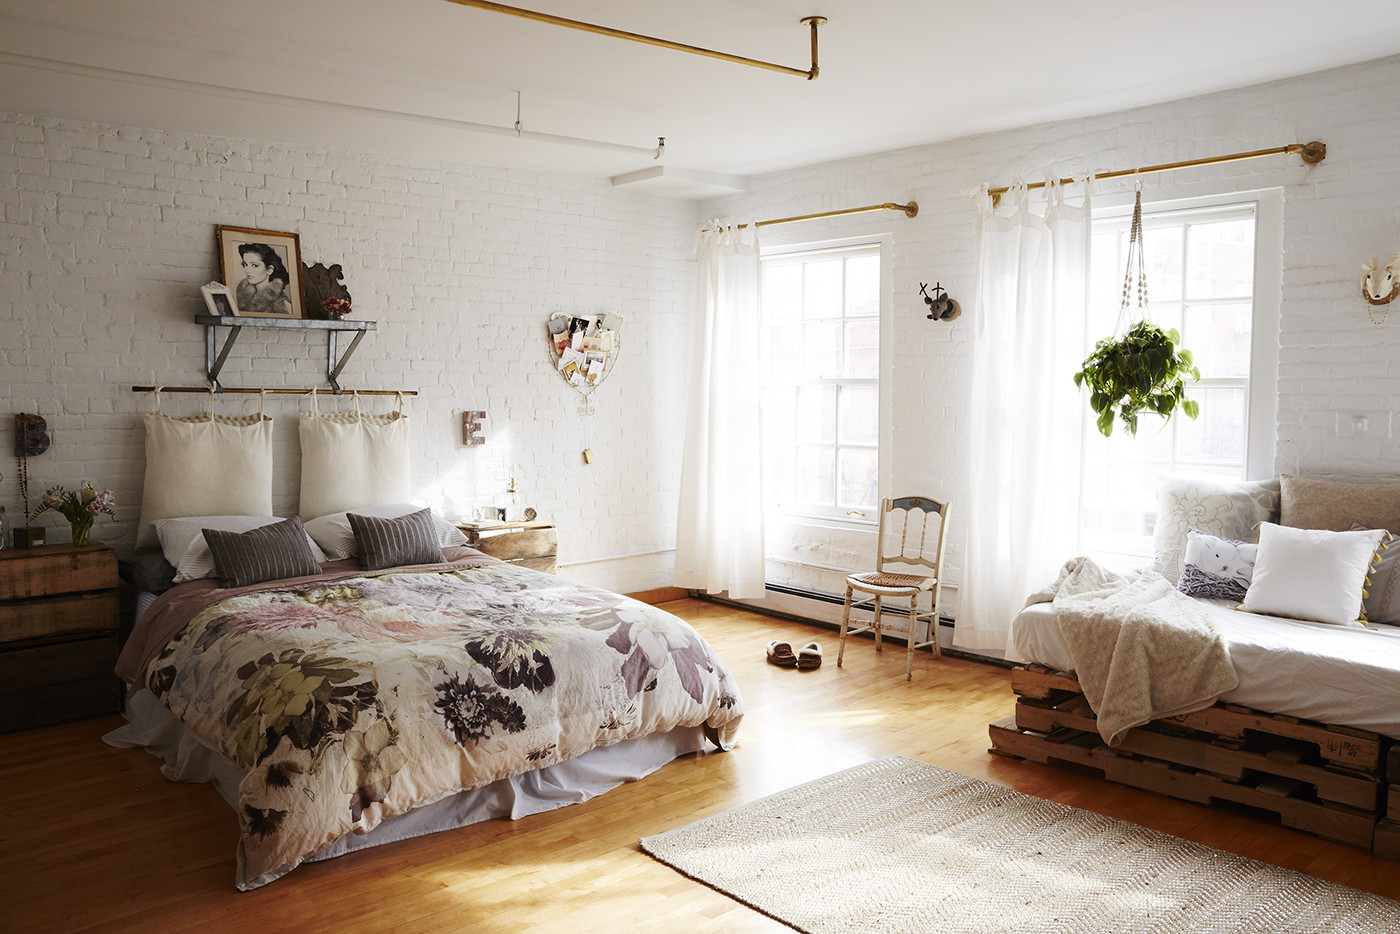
(898, 845)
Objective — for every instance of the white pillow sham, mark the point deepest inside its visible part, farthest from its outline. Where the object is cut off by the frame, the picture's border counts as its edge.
(353, 459)
(1310, 573)
(182, 541)
(337, 539)
(1224, 510)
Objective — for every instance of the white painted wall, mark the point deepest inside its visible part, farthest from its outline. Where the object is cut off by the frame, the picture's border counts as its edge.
(1332, 359)
(108, 232)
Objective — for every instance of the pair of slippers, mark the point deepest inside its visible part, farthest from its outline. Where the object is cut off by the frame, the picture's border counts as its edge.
(804, 659)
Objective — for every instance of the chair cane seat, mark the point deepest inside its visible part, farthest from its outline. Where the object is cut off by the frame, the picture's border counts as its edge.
(885, 582)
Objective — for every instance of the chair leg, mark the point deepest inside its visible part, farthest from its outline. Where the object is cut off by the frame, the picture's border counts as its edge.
(933, 624)
(909, 646)
(845, 624)
(879, 647)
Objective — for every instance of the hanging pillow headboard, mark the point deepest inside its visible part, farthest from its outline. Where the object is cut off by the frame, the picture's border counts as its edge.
(204, 465)
(352, 460)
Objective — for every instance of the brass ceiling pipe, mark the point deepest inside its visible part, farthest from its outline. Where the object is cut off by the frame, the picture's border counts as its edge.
(1312, 152)
(910, 210)
(809, 74)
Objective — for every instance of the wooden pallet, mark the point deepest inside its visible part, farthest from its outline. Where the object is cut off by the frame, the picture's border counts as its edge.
(1327, 780)
(1353, 826)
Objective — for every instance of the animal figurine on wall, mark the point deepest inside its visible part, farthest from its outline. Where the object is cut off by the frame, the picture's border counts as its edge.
(1380, 285)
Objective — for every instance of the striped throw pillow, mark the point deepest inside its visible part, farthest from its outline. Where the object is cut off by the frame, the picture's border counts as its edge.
(270, 552)
(387, 543)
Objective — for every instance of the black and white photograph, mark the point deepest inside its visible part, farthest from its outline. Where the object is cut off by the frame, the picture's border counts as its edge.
(219, 300)
(262, 268)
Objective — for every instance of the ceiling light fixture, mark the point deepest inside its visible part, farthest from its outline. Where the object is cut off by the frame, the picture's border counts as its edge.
(811, 21)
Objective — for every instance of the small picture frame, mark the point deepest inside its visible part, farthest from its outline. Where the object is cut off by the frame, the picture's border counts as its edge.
(262, 269)
(219, 300)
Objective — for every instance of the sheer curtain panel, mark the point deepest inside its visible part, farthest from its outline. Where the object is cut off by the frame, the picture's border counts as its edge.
(719, 527)
(1025, 415)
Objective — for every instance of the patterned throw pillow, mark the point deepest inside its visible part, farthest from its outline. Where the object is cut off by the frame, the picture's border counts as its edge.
(1381, 599)
(270, 552)
(1216, 567)
(387, 543)
(1227, 511)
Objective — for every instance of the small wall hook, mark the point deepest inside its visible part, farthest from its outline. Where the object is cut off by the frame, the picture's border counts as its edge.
(940, 306)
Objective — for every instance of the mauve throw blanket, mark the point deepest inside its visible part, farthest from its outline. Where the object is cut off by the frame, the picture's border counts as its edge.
(1142, 649)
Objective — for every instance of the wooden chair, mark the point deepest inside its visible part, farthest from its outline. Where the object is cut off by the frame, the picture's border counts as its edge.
(905, 526)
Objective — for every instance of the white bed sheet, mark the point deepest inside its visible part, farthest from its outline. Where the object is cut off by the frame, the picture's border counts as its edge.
(1342, 675)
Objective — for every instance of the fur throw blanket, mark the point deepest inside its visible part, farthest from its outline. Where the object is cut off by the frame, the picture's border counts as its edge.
(1142, 650)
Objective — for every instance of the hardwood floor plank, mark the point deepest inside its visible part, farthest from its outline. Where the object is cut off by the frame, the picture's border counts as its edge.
(98, 840)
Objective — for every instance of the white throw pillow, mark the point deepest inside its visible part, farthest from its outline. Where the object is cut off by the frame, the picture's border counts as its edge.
(214, 464)
(1216, 567)
(352, 460)
(1223, 510)
(337, 539)
(182, 541)
(1310, 573)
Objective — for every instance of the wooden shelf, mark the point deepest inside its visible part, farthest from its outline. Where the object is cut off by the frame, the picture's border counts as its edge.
(214, 356)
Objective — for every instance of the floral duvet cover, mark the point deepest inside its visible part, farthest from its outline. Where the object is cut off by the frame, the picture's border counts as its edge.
(352, 699)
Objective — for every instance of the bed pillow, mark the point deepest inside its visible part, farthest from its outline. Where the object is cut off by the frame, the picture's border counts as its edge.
(1311, 574)
(184, 545)
(1224, 510)
(387, 543)
(353, 460)
(1382, 595)
(337, 539)
(211, 464)
(1329, 503)
(270, 552)
(1216, 567)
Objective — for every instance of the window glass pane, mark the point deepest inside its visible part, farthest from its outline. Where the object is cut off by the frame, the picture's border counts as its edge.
(858, 478)
(1106, 270)
(822, 296)
(816, 467)
(1219, 337)
(1221, 259)
(782, 353)
(780, 425)
(782, 291)
(816, 414)
(1217, 437)
(821, 342)
(1120, 508)
(1162, 250)
(863, 286)
(860, 410)
(863, 347)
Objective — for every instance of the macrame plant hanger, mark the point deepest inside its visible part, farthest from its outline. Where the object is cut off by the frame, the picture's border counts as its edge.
(1136, 257)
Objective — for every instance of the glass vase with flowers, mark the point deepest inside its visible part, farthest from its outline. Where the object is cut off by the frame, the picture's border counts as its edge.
(80, 507)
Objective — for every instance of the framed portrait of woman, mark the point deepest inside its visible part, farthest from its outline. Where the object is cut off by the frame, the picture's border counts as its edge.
(262, 268)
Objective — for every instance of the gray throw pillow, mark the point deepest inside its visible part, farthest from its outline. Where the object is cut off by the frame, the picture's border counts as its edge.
(387, 543)
(1381, 598)
(1216, 567)
(271, 552)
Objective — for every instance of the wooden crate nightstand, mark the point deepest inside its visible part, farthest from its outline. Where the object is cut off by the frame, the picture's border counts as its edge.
(529, 544)
(58, 634)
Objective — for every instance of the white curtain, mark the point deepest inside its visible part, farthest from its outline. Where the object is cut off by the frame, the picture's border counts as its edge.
(1025, 411)
(719, 528)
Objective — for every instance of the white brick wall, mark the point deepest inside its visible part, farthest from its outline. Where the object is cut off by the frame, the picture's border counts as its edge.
(1332, 359)
(108, 232)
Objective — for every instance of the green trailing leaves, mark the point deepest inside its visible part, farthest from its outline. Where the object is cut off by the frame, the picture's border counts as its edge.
(1145, 370)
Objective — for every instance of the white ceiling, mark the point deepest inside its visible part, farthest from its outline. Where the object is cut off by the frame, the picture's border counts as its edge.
(402, 76)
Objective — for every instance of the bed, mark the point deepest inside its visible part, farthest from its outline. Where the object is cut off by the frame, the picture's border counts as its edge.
(337, 710)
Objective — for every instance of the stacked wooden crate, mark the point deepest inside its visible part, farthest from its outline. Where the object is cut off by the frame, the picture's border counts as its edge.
(1327, 780)
(1387, 842)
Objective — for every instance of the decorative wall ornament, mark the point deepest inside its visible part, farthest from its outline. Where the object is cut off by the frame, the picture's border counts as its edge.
(941, 306)
(584, 348)
(1380, 285)
(326, 294)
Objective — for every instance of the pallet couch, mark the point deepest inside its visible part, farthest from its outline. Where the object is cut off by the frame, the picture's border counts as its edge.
(1311, 732)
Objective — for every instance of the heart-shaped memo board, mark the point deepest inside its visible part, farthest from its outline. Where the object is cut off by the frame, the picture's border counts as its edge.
(584, 348)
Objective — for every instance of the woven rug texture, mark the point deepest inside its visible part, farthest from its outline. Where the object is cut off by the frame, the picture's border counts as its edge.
(897, 845)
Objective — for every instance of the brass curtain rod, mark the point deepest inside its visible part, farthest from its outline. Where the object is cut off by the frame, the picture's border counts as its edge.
(812, 21)
(1312, 153)
(279, 392)
(910, 210)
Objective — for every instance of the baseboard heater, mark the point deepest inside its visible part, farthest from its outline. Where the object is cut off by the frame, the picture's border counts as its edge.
(836, 627)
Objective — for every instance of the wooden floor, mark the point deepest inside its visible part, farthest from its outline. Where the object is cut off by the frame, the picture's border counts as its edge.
(95, 839)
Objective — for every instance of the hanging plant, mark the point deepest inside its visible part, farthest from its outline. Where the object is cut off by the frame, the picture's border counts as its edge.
(1146, 369)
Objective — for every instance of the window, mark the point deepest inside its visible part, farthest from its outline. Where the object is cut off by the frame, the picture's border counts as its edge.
(821, 360)
(1209, 270)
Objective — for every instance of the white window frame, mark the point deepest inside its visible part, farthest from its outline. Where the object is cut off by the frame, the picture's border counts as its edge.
(1261, 405)
(868, 521)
